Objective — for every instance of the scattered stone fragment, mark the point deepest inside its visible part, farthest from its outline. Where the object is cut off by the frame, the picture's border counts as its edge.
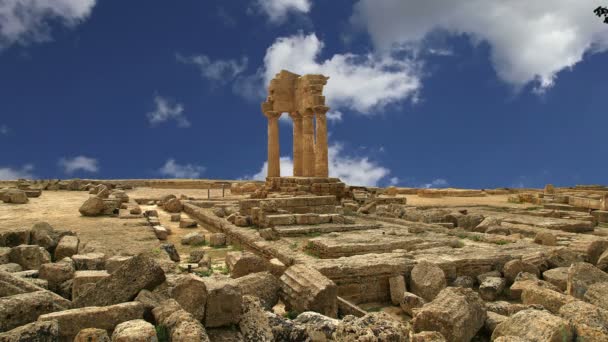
(217, 240)
(171, 251)
(525, 280)
(176, 217)
(30, 257)
(134, 331)
(160, 232)
(535, 325)
(243, 263)
(557, 276)
(139, 273)
(457, 313)
(67, 247)
(20, 309)
(491, 288)
(276, 267)
(589, 322)
(464, 281)
(223, 303)
(306, 289)
(597, 294)
(194, 239)
(397, 289)
(191, 293)
(493, 320)
(173, 205)
(187, 223)
(427, 280)
(564, 257)
(84, 280)
(93, 206)
(428, 336)
(254, 324)
(410, 302)
(514, 267)
(262, 285)
(269, 234)
(115, 262)
(15, 196)
(71, 322)
(57, 273)
(487, 222)
(10, 284)
(15, 237)
(376, 326)
(581, 275)
(181, 325)
(35, 331)
(89, 261)
(549, 299)
(11, 267)
(545, 238)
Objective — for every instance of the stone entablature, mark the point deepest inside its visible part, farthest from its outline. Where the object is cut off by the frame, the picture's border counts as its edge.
(302, 98)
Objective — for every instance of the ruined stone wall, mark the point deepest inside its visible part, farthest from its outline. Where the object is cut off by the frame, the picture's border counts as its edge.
(316, 185)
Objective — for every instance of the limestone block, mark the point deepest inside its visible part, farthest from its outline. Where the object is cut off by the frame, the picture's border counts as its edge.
(557, 276)
(457, 313)
(410, 302)
(15, 237)
(137, 274)
(102, 317)
(30, 257)
(535, 325)
(20, 309)
(427, 280)
(262, 285)
(173, 205)
(193, 239)
(307, 219)
(176, 217)
(397, 288)
(93, 206)
(182, 326)
(92, 335)
(190, 292)
(376, 326)
(134, 331)
(512, 268)
(582, 275)
(545, 238)
(549, 299)
(244, 263)
(35, 331)
(597, 294)
(160, 232)
(115, 262)
(217, 240)
(56, 273)
(67, 247)
(589, 322)
(223, 303)
(491, 288)
(5, 253)
(305, 289)
(84, 280)
(89, 261)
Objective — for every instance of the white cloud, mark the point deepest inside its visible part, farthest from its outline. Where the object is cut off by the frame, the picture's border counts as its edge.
(364, 83)
(436, 183)
(530, 41)
(353, 170)
(277, 10)
(334, 115)
(219, 70)
(393, 181)
(7, 173)
(4, 130)
(71, 165)
(166, 111)
(175, 170)
(26, 21)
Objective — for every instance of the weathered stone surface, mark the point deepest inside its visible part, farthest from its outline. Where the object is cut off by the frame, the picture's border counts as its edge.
(582, 275)
(597, 294)
(276, 267)
(24, 308)
(10, 284)
(173, 205)
(67, 247)
(397, 288)
(457, 313)
(262, 285)
(589, 322)
(469, 221)
(35, 332)
(410, 302)
(187, 223)
(176, 217)
(93, 206)
(5, 253)
(89, 261)
(427, 280)
(44, 235)
(92, 335)
(493, 320)
(15, 196)
(564, 257)
(217, 240)
(182, 326)
(512, 268)
(428, 336)
(243, 263)
(190, 292)
(137, 274)
(549, 299)
(487, 222)
(134, 331)
(545, 238)
(535, 325)
(161, 232)
(171, 251)
(194, 239)
(11, 267)
(464, 281)
(56, 273)
(557, 276)
(196, 256)
(519, 285)
(104, 317)
(224, 301)
(30, 257)
(491, 288)
(254, 324)
(317, 326)
(305, 289)
(115, 262)
(269, 234)
(84, 280)
(15, 237)
(376, 326)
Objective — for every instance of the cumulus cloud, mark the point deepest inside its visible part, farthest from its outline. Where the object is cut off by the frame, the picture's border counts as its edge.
(4, 130)
(219, 70)
(166, 111)
(363, 83)
(278, 10)
(175, 170)
(530, 41)
(436, 183)
(27, 21)
(79, 163)
(353, 170)
(7, 173)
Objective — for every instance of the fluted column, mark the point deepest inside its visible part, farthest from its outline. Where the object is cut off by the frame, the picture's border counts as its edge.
(298, 151)
(321, 157)
(308, 144)
(274, 163)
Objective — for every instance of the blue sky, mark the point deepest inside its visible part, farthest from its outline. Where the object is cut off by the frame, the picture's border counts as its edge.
(480, 94)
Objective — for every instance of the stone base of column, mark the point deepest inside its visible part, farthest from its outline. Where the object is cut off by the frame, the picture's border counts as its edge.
(320, 186)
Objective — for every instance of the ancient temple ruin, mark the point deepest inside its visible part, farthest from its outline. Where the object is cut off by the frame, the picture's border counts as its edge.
(302, 98)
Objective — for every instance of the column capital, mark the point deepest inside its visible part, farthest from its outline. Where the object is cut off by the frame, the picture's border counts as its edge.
(295, 115)
(322, 110)
(308, 112)
(272, 114)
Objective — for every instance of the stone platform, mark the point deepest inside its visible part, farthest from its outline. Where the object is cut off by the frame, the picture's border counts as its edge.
(319, 186)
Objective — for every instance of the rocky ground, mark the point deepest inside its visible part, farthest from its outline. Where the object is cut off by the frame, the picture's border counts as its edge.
(164, 264)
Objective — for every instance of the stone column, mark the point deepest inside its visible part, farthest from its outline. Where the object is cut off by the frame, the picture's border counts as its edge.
(274, 163)
(298, 147)
(308, 144)
(321, 162)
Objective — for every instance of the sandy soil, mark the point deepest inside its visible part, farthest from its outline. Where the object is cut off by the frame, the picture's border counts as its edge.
(491, 200)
